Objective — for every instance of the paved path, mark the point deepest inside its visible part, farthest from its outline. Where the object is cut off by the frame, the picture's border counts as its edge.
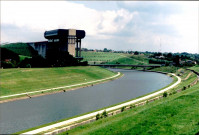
(68, 86)
(108, 109)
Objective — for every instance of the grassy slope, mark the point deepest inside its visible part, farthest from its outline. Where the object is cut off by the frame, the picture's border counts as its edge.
(142, 58)
(21, 49)
(112, 58)
(169, 69)
(196, 68)
(99, 57)
(176, 114)
(30, 79)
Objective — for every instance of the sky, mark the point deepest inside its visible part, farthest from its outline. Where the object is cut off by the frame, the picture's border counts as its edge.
(166, 26)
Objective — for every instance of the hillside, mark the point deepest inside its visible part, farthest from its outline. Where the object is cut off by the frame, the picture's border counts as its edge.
(99, 57)
(175, 114)
(21, 49)
(113, 58)
(30, 79)
(196, 68)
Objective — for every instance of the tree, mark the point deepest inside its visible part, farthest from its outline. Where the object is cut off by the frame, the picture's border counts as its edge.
(136, 53)
(105, 50)
(9, 58)
(177, 60)
(169, 55)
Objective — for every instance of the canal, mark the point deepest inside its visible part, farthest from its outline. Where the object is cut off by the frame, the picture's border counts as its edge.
(23, 114)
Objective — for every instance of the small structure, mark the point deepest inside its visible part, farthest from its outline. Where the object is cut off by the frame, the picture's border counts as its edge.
(61, 40)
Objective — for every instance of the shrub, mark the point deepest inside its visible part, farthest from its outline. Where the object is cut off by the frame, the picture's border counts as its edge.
(184, 88)
(132, 106)
(165, 94)
(98, 116)
(174, 92)
(123, 108)
(28, 66)
(8, 58)
(104, 114)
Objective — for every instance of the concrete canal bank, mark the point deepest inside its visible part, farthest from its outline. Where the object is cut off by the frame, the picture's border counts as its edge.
(24, 114)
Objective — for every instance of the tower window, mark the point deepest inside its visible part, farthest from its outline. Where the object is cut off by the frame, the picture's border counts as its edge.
(71, 40)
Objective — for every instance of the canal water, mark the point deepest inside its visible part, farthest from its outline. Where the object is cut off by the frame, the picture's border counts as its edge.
(23, 114)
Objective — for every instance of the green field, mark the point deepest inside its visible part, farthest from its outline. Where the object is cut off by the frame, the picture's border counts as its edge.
(175, 114)
(113, 58)
(141, 58)
(30, 79)
(99, 57)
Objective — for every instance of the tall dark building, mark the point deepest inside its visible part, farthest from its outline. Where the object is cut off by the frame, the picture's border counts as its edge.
(60, 40)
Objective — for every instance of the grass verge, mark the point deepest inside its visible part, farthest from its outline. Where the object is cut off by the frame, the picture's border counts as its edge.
(14, 81)
(176, 114)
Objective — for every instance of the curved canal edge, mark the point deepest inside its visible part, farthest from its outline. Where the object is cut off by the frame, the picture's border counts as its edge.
(91, 116)
(77, 86)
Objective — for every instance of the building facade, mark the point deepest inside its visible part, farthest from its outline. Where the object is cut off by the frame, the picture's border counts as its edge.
(65, 40)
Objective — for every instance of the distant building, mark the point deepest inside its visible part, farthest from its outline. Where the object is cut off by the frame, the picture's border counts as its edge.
(188, 62)
(60, 40)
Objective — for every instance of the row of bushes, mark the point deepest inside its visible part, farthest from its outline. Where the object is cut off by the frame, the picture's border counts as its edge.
(156, 61)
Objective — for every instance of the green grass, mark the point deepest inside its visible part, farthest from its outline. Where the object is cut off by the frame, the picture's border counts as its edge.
(30, 79)
(22, 57)
(196, 68)
(113, 58)
(142, 58)
(176, 114)
(99, 57)
(127, 60)
(21, 49)
(169, 69)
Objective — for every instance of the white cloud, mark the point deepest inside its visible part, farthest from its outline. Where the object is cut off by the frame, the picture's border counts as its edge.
(113, 21)
(186, 24)
(135, 25)
(178, 31)
(42, 15)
